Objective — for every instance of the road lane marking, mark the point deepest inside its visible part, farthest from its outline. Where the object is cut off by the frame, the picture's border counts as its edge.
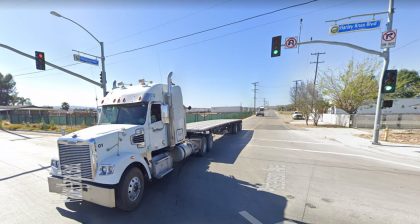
(249, 217)
(340, 154)
(304, 142)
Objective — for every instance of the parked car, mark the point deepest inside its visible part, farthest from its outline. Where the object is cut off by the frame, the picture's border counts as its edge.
(260, 111)
(297, 115)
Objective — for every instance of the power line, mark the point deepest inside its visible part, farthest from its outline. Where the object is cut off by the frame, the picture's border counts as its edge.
(30, 73)
(250, 28)
(211, 29)
(166, 23)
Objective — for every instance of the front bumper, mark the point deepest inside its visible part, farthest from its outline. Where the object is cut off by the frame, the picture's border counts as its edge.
(95, 194)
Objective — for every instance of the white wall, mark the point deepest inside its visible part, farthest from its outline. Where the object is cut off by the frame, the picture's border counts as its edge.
(395, 121)
(336, 119)
(400, 106)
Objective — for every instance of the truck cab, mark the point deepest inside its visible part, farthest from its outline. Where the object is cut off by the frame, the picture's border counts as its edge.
(108, 163)
(141, 132)
(260, 112)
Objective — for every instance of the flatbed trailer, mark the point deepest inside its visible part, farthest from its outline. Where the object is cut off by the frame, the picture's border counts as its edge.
(218, 126)
(204, 130)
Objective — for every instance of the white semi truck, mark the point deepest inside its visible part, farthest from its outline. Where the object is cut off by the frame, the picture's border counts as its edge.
(141, 132)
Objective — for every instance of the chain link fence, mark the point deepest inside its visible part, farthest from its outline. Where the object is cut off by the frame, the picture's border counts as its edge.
(90, 118)
(70, 119)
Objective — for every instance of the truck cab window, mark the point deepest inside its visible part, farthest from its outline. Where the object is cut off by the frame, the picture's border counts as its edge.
(155, 113)
(124, 114)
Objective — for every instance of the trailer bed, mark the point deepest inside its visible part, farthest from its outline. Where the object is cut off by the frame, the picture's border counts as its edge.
(203, 126)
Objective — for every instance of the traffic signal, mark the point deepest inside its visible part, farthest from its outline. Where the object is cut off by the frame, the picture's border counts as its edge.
(100, 78)
(275, 46)
(40, 60)
(389, 81)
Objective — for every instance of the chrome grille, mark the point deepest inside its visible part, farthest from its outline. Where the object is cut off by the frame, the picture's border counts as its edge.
(138, 138)
(74, 155)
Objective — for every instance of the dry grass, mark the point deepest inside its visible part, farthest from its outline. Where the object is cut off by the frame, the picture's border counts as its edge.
(40, 127)
(398, 136)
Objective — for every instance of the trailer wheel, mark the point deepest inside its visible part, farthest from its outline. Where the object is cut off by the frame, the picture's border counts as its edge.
(234, 128)
(130, 190)
(203, 148)
(209, 141)
(239, 127)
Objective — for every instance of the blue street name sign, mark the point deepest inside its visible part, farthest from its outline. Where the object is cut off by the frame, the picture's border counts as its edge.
(351, 27)
(85, 59)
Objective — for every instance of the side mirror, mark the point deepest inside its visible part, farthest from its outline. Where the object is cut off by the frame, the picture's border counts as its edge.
(165, 113)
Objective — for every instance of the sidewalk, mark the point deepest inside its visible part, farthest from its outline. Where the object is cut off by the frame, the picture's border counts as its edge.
(348, 137)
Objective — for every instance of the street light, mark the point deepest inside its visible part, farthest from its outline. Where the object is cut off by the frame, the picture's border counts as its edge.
(103, 82)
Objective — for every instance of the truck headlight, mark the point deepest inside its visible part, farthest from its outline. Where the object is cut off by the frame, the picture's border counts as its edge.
(106, 170)
(55, 167)
(55, 163)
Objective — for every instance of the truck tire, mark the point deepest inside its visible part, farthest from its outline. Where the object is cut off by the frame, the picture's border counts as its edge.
(203, 148)
(209, 142)
(130, 190)
(239, 127)
(234, 128)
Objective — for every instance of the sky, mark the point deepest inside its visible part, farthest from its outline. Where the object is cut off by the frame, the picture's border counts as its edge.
(214, 68)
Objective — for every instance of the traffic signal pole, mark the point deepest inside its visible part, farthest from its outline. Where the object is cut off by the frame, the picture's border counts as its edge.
(379, 101)
(385, 54)
(52, 65)
(103, 81)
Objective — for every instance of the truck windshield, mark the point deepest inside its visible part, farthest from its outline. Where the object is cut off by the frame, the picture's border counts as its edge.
(124, 114)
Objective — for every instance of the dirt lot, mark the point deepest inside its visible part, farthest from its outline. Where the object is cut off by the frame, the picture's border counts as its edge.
(398, 136)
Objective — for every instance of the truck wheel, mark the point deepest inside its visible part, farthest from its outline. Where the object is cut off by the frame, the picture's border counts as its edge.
(130, 190)
(203, 148)
(239, 127)
(234, 129)
(209, 142)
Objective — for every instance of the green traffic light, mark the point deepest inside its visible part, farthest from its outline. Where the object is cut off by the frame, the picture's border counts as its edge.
(275, 51)
(388, 88)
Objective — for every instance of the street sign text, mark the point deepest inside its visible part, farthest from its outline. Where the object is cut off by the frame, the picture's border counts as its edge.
(351, 27)
(80, 58)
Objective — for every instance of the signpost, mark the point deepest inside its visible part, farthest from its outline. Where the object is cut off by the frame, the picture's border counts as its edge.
(91, 61)
(388, 39)
(291, 42)
(351, 27)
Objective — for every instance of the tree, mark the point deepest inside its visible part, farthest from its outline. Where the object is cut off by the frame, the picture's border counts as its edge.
(24, 101)
(352, 87)
(408, 84)
(310, 102)
(65, 106)
(7, 89)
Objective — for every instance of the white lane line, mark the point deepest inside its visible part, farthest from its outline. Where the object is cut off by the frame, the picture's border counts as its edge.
(340, 154)
(249, 217)
(304, 142)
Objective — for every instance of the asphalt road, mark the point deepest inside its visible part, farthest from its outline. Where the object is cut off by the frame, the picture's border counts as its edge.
(269, 173)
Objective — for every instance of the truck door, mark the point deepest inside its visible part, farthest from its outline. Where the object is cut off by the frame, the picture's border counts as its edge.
(158, 133)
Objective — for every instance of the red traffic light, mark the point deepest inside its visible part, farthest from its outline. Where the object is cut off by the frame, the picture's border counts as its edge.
(40, 60)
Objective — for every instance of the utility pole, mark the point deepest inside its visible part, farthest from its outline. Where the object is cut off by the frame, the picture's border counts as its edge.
(296, 92)
(255, 94)
(377, 124)
(316, 73)
(300, 32)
